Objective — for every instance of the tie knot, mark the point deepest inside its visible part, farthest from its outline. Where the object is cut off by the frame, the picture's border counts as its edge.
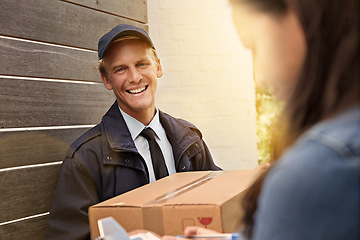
(148, 133)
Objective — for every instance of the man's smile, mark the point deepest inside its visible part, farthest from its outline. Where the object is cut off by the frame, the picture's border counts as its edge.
(137, 90)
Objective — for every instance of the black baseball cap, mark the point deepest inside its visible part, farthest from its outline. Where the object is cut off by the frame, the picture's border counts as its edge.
(121, 30)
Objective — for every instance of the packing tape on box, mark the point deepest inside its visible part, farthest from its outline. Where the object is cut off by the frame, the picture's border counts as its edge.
(152, 211)
(183, 189)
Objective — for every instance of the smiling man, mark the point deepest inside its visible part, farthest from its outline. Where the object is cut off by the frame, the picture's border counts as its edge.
(134, 144)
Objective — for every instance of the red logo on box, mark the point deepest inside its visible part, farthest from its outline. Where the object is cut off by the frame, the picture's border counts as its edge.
(205, 220)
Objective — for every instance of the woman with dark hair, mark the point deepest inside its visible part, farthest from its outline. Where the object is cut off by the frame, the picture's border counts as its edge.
(307, 53)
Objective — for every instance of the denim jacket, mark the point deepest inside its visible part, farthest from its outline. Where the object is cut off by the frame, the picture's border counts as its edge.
(313, 192)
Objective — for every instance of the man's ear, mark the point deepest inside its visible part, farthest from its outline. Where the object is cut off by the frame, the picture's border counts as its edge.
(159, 71)
(106, 82)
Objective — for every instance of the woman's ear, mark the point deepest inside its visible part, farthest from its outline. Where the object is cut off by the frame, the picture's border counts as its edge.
(159, 71)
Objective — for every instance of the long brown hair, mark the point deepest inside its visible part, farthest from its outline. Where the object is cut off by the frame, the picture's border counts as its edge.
(330, 78)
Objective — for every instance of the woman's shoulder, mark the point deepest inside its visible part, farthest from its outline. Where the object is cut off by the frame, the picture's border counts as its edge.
(304, 189)
(341, 133)
(332, 143)
(328, 149)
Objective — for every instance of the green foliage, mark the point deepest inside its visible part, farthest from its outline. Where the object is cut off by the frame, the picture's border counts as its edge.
(267, 111)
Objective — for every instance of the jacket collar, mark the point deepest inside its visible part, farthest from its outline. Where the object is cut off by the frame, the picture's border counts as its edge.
(180, 133)
(116, 131)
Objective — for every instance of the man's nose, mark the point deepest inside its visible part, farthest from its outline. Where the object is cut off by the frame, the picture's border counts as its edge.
(134, 75)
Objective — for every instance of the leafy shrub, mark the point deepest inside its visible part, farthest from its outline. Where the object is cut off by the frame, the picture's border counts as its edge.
(267, 111)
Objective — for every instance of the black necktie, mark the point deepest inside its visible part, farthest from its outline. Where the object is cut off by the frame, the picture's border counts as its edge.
(157, 157)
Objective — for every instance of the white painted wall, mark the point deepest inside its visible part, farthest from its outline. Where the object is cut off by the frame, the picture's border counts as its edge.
(207, 76)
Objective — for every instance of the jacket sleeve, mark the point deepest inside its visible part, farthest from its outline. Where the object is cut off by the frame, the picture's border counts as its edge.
(312, 193)
(208, 160)
(200, 157)
(76, 191)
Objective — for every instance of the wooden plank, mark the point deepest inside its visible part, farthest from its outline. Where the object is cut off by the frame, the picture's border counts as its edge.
(35, 147)
(135, 9)
(32, 103)
(31, 59)
(54, 21)
(32, 229)
(18, 185)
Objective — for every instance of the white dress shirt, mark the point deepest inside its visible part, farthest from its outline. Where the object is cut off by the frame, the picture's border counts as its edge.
(135, 127)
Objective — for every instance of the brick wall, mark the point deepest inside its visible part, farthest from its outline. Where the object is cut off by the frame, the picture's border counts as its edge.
(207, 76)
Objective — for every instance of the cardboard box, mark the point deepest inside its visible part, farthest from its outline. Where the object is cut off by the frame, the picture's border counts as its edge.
(209, 199)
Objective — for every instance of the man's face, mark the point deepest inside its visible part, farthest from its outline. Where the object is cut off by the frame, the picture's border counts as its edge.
(132, 75)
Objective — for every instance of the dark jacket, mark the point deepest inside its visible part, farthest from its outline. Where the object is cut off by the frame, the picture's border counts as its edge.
(104, 163)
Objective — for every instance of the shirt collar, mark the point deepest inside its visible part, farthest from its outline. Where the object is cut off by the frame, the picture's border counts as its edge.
(135, 127)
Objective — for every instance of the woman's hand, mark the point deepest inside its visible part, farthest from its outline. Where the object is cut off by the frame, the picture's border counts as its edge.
(191, 231)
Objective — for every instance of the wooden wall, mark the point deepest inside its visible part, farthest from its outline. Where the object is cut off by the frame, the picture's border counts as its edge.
(50, 93)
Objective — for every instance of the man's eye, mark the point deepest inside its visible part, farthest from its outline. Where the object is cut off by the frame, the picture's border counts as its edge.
(119, 70)
(142, 64)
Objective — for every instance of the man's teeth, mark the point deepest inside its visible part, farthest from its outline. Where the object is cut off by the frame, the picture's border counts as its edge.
(137, 90)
